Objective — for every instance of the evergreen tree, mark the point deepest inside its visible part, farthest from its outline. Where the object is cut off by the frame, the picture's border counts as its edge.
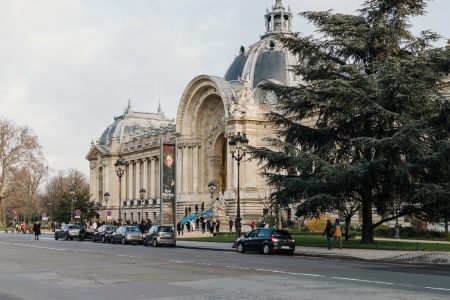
(369, 123)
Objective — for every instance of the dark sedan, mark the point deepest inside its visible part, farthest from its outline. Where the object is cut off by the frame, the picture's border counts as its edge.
(104, 233)
(266, 240)
(126, 235)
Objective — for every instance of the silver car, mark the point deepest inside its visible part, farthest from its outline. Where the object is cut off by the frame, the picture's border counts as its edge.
(126, 235)
(160, 235)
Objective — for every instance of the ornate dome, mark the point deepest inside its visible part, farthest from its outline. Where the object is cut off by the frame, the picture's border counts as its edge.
(132, 124)
(267, 59)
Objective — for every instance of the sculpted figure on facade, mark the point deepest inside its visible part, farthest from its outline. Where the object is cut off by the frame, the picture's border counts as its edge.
(220, 206)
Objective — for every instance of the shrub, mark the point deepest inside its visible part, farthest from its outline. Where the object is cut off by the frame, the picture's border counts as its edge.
(316, 225)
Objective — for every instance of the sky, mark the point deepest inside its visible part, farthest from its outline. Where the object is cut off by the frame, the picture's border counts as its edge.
(67, 67)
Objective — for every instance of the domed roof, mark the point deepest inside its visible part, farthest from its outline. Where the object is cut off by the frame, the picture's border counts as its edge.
(132, 124)
(267, 59)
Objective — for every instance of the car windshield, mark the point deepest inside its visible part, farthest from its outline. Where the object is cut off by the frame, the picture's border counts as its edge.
(133, 229)
(281, 234)
(75, 227)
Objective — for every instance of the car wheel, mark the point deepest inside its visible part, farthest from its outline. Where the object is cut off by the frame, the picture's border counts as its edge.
(66, 237)
(124, 242)
(240, 248)
(155, 243)
(266, 249)
(56, 237)
(112, 240)
(291, 252)
(144, 242)
(103, 239)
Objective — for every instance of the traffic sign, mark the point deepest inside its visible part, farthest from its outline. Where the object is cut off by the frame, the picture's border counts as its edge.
(44, 215)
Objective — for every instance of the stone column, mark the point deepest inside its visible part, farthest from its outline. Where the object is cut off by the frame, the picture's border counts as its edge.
(153, 177)
(185, 179)
(195, 169)
(137, 185)
(145, 173)
(130, 181)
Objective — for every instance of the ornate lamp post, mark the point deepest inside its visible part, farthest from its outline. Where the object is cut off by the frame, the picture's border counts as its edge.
(212, 188)
(120, 170)
(72, 196)
(106, 198)
(142, 192)
(238, 147)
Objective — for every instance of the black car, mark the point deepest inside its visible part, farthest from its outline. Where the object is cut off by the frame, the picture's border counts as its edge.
(104, 233)
(68, 231)
(126, 235)
(160, 235)
(266, 240)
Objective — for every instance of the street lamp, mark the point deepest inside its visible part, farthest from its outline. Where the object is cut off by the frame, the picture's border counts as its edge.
(120, 170)
(238, 147)
(106, 197)
(212, 188)
(72, 196)
(142, 192)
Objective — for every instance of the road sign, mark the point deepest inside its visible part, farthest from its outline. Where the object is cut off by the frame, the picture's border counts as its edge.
(44, 215)
(108, 215)
(77, 214)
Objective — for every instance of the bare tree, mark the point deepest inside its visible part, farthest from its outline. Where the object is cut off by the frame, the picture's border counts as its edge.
(16, 144)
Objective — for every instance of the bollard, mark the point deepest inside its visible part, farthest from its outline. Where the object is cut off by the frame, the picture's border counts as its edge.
(417, 246)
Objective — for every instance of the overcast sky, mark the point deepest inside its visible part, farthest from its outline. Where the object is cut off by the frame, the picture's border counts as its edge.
(67, 67)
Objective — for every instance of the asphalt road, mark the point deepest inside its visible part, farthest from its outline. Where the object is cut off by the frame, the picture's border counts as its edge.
(49, 269)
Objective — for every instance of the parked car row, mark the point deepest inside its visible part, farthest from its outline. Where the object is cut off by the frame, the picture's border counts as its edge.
(157, 235)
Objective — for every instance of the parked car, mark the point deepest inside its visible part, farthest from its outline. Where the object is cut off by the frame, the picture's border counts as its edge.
(85, 234)
(266, 240)
(67, 231)
(104, 233)
(127, 234)
(160, 235)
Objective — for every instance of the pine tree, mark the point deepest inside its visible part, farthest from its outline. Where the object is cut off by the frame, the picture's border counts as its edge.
(379, 121)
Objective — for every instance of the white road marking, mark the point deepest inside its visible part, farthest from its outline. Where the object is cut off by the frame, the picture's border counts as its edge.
(256, 269)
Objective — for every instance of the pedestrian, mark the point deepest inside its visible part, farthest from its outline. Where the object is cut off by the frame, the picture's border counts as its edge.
(231, 224)
(211, 226)
(329, 230)
(179, 227)
(188, 226)
(53, 226)
(182, 228)
(337, 233)
(197, 223)
(252, 224)
(22, 228)
(196, 210)
(203, 226)
(37, 230)
(217, 225)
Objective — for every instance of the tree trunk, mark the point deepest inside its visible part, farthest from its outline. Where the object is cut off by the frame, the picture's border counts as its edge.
(348, 220)
(446, 227)
(367, 226)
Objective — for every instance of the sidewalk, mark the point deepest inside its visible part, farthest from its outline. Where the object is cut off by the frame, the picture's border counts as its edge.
(409, 257)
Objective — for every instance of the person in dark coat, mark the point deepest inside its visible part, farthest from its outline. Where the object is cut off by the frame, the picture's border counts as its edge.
(37, 230)
(217, 225)
(231, 224)
(329, 230)
(203, 226)
(211, 225)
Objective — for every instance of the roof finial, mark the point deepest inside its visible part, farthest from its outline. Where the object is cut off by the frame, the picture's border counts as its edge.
(278, 4)
(128, 109)
(159, 108)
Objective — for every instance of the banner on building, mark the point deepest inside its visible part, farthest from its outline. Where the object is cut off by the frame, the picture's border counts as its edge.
(167, 188)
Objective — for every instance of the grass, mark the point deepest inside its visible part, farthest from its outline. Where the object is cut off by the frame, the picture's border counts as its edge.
(319, 241)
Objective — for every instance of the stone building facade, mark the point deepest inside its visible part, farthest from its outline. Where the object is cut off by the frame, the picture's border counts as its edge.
(211, 110)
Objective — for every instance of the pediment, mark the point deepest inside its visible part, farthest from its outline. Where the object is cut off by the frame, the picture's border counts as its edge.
(95, 152)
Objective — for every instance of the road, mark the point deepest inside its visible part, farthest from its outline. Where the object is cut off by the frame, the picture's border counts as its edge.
(49, 269)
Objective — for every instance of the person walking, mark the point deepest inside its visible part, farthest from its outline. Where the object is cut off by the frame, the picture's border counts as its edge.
(179, 227)
(329, 230)
(252, 224)
(203, 226)
(337, 233)
(217, 225)
(211, 226)
(188, 226)
(37, 230)
(231, 224)
(182, 228)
